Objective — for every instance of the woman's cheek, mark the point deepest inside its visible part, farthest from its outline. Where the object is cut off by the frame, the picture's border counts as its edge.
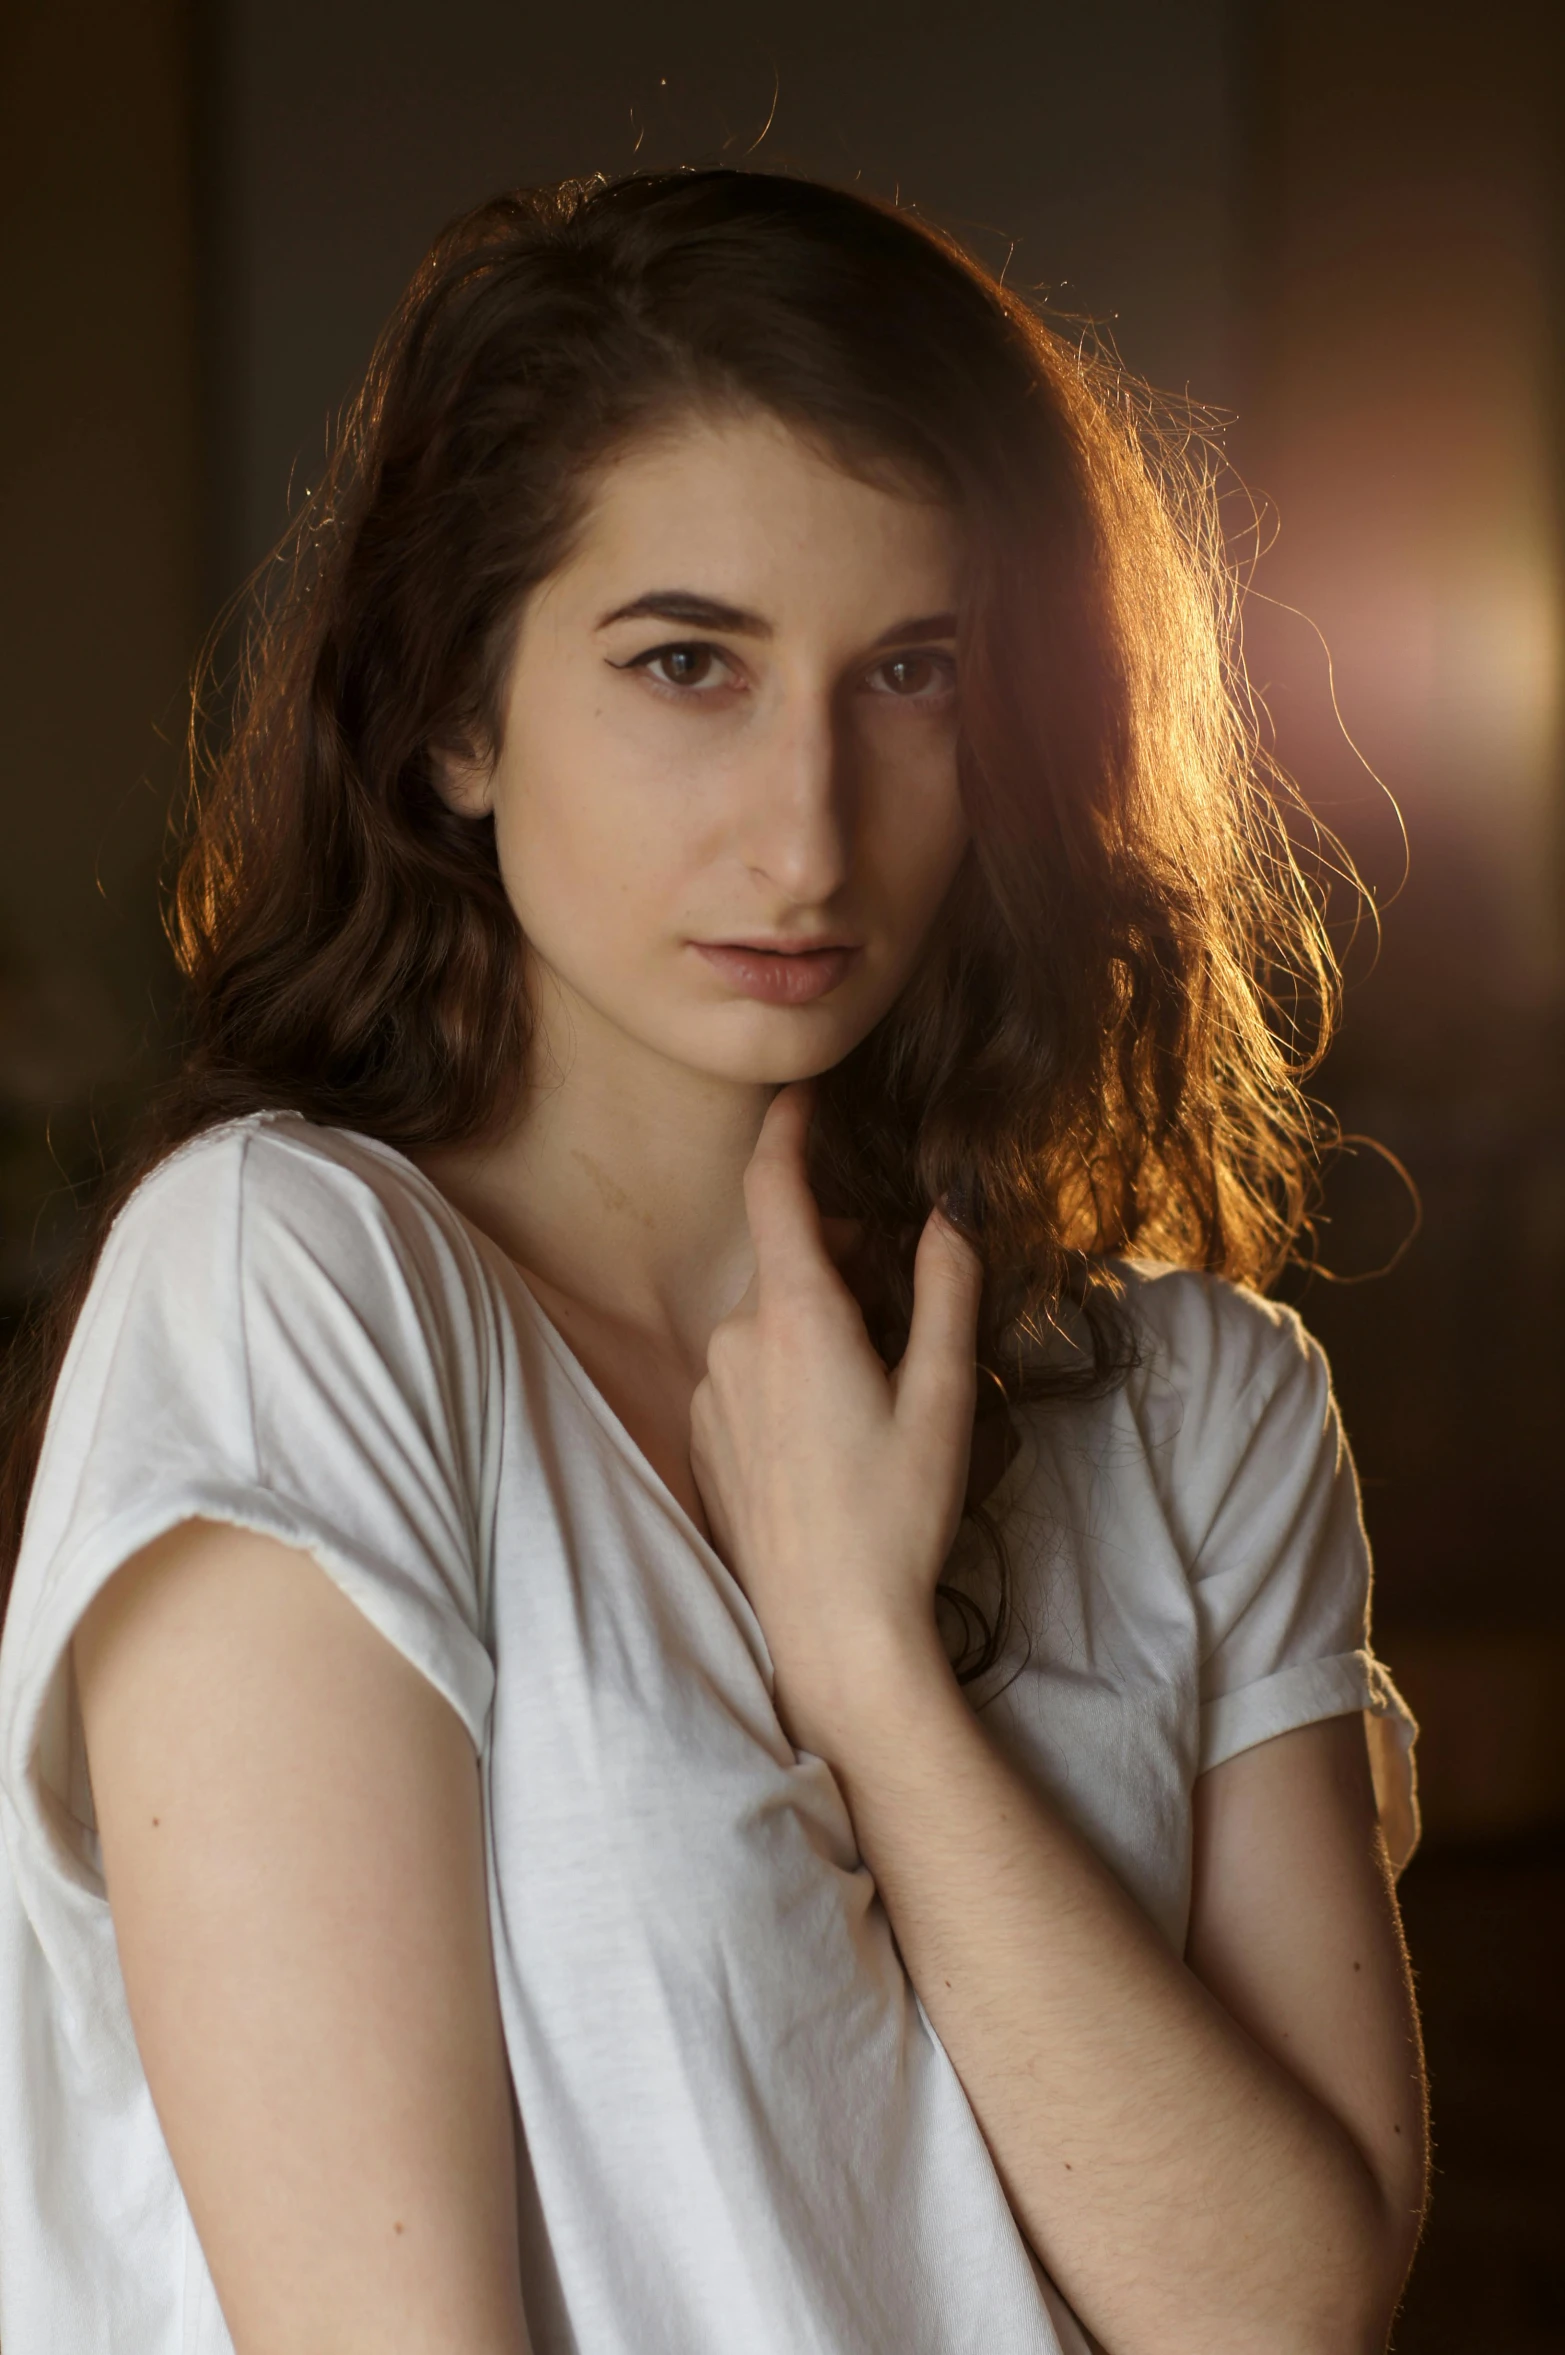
(593, 914)
(917, 863)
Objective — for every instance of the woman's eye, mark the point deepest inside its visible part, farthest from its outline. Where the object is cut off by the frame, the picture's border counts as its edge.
(917, 678)
(692, 666)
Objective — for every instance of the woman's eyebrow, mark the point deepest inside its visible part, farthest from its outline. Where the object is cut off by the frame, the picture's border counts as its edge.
(919, 632)
(702, 613)
(711, 613)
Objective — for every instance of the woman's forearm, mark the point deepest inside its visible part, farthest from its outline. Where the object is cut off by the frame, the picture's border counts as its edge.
(1181, 2187)
(1191, 2193)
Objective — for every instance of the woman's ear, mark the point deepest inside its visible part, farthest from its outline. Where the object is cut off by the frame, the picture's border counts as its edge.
(464, 783)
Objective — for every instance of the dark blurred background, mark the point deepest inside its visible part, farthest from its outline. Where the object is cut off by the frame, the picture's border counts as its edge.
(1343, 229)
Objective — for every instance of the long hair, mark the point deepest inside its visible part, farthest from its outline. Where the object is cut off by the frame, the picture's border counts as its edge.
(1102, 1050)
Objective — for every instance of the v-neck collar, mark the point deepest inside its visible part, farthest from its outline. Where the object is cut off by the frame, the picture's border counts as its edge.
(999, 1499)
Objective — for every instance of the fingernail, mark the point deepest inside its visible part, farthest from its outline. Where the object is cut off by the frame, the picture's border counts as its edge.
(963, 1204)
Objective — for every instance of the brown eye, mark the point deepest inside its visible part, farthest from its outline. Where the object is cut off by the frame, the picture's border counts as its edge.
(682, 666)
(924, 677)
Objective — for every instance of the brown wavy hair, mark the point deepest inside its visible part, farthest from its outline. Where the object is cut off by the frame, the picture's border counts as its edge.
(1102, 1051)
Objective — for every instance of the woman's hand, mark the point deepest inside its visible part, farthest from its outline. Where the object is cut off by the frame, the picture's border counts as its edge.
(833, 1488)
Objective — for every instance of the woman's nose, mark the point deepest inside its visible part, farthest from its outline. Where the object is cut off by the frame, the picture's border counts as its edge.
(795, 823)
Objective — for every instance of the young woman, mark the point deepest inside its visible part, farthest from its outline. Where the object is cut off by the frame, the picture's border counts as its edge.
(551, 1800)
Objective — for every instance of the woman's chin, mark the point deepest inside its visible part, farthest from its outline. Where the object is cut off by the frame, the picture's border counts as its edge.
(770, 1052)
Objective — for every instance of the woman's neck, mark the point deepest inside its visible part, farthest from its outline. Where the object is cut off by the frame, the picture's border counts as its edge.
(618, 1184)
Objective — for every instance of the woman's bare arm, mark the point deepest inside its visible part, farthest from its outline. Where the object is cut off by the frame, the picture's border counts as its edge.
(1213, 2157)
(292, 1842)
(1218, 2158)
(1294, 1928)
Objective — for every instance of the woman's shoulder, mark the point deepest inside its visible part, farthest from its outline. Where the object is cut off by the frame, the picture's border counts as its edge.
(269, 1169)
(1204, 1333)
(282, 1153)
(284, 1220)
(1231, 1397)
(1176, 1332)
(1215, 1380)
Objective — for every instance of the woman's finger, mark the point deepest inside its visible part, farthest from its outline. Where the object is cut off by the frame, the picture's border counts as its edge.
(785, 1224)
(937, 1379)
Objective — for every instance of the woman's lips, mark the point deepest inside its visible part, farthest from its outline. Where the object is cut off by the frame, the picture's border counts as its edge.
(779, 977)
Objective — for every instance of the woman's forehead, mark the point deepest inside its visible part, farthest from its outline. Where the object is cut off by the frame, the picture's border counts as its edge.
(743, 510)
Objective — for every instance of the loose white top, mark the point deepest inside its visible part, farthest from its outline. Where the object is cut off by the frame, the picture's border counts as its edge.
(738, 2129)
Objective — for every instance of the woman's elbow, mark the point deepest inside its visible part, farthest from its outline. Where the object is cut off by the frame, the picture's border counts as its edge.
(1356, 2316)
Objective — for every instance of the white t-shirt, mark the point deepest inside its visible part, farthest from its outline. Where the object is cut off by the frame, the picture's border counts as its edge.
(737, 2127)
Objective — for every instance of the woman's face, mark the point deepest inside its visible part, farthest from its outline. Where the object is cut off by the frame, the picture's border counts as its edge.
(726, 805)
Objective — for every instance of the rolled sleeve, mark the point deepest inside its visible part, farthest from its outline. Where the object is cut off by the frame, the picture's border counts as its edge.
(271, 1341)
(1281, 1582)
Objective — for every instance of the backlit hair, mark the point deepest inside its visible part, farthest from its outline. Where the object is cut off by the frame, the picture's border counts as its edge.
(1102, 1050)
